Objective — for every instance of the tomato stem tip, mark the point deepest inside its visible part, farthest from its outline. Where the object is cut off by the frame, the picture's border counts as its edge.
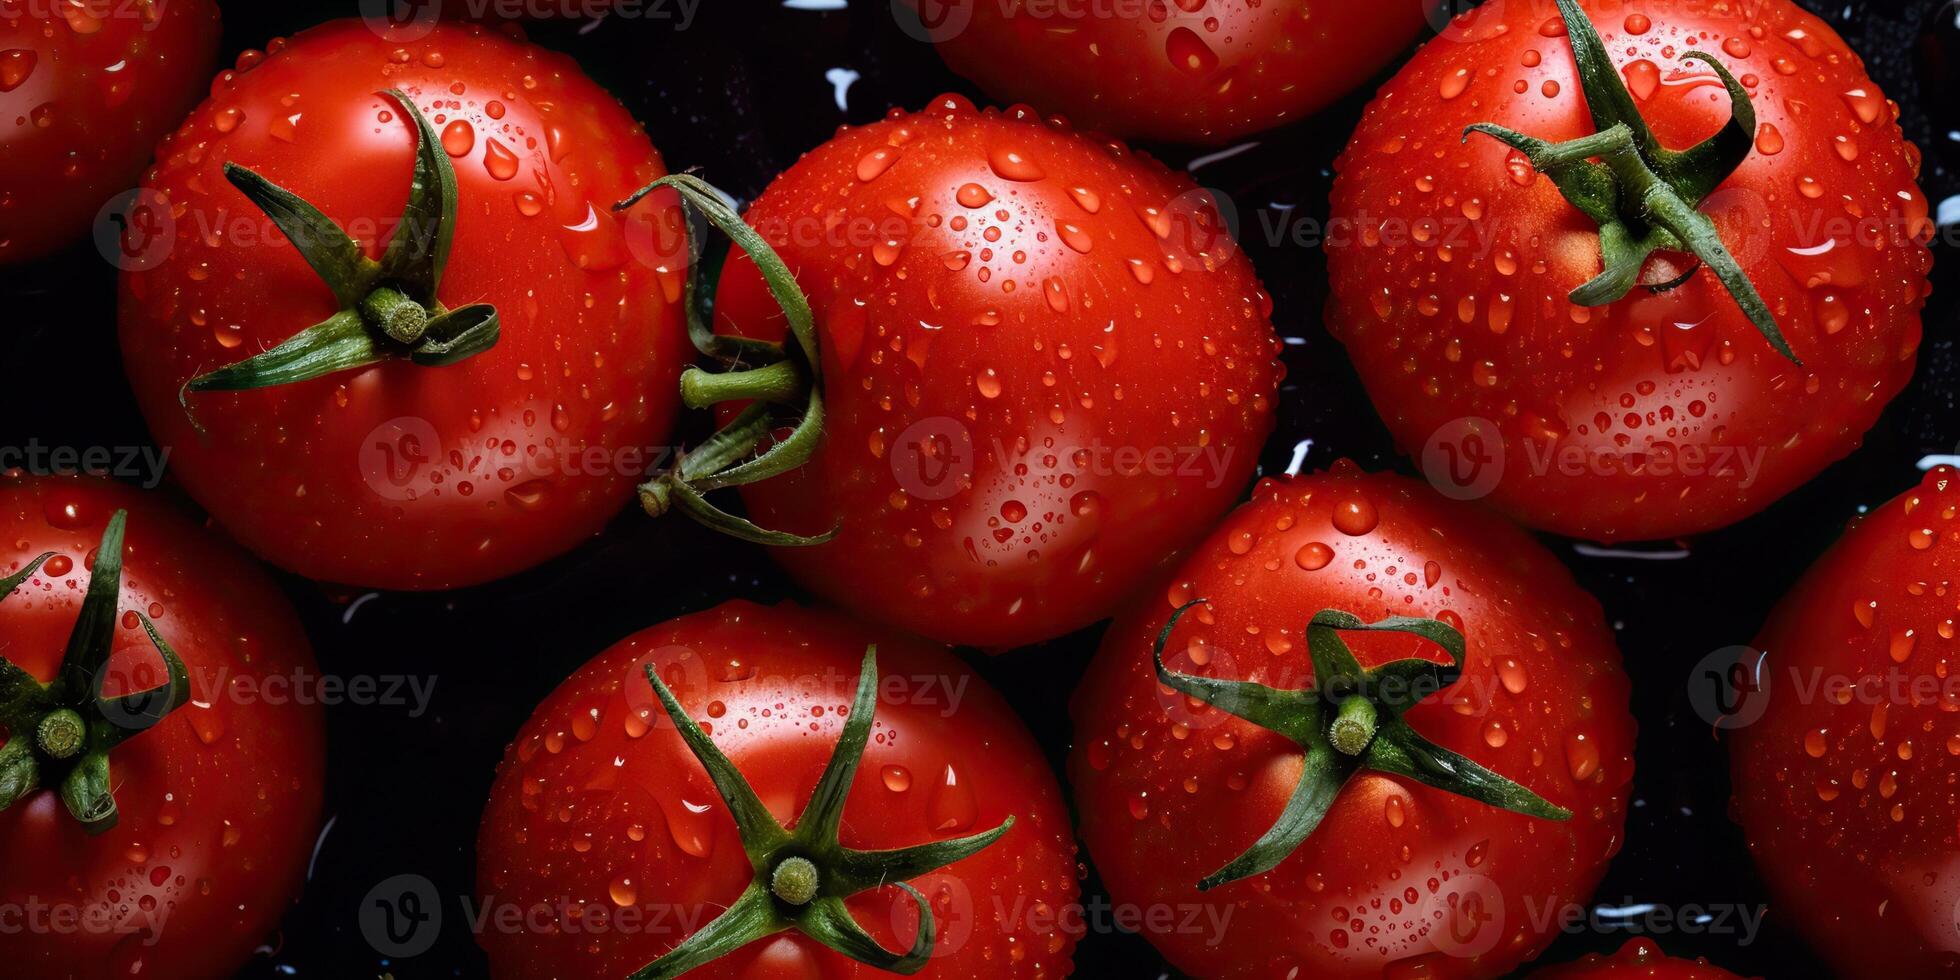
(803, 876)
(65, 728)
(1644, 196)
(1348, 720)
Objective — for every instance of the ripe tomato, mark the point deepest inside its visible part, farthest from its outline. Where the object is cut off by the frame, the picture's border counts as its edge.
(1846, 753)
(86, 92)
(200, 825)
(1609, 413)
(395, 474)
(1208, 71)
(603, 808)
(1397, 874)
(1639, 958)
(1045, 368)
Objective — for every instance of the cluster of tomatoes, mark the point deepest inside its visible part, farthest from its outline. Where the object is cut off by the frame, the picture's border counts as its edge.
(416, 305)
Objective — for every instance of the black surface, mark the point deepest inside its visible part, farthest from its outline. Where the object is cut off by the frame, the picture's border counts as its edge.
(741, 94)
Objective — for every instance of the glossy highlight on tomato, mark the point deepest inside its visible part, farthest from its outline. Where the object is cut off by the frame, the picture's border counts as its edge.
(1847, 752)
(1666, 412)
(1398, 876)
(87, 90)
(1046, 368)
(1193, 71)
(600, 808)
(393, 474)
(218, 803)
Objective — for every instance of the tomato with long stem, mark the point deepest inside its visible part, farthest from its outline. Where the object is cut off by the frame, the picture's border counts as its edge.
(980, 374)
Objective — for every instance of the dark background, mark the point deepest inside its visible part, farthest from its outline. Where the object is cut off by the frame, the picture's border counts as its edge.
(741, 94)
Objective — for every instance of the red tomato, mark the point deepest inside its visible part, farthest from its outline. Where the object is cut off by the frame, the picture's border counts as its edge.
(1398, 875)
(1046, 368)
(1660, 413)
(397, 475)
(1845, 768)
(87, 89)
(1639, 958)
(1199, 71)
(217, 803)
(601, 806)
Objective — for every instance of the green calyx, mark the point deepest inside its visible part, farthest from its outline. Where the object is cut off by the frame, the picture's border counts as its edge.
(1348, 721)
(782, 384)
(388, 309)
(803, 876)
(1642, 195)
(60, 733)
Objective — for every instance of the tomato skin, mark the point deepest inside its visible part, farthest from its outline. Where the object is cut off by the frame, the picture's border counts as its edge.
(1168, 794)
(769, 683)
(1865, 875)
(218, 804)
(1018, 432)
(1209, 72)
(484, 472)
(1639, 958)
(86, 91)
(1619, 422)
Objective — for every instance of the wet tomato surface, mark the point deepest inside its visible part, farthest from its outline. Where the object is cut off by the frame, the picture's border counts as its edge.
(86, 91)
(1662, 413)
(600, 809)
(1399, 876)
(394, 474)
(218, 804)
(1846, 765)
(1046, 368)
